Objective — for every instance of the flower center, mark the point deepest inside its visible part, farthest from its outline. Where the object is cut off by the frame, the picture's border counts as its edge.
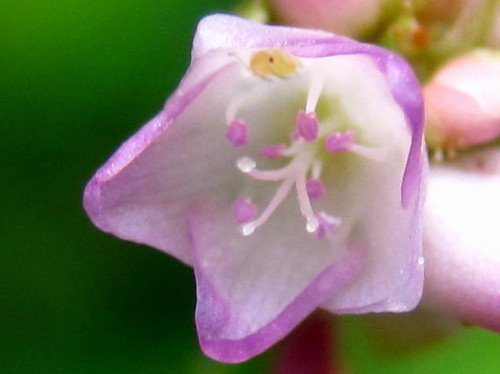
(309, 137)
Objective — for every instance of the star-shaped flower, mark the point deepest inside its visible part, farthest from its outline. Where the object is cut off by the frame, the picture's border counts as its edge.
(286, 168)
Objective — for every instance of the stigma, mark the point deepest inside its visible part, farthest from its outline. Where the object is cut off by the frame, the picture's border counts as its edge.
(273, 62)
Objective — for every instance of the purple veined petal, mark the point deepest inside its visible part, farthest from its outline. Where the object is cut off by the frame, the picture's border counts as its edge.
(251, 292)
(141, 192)
(461, 238)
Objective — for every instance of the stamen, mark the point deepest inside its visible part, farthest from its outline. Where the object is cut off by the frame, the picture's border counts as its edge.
(244, 209)
(273, 150)
(339, 141)
(237, 132)
(376, 154)
(278, 197)
(304, 202)
(235, 105)
(342, 141)
(294, 149)
(272, 175)
(306, 125)
(245, 164)
(316, 169)
(315, 188)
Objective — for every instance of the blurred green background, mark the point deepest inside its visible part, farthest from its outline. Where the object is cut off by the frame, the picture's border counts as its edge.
(76, 79)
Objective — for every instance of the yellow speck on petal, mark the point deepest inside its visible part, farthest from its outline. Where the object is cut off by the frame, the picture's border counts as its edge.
(269, 62)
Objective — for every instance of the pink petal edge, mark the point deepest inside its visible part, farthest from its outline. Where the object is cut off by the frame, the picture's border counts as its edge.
(214, 314)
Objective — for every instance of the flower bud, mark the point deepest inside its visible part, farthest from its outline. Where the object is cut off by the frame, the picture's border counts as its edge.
(461, 241)
(463, 102)
(351, 18)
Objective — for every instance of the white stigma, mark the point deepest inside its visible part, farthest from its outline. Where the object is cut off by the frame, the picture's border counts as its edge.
(312, 225)
(248, 229)
(246, 164)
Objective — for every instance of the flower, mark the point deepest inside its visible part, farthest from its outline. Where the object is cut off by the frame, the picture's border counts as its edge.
(463, 101)
(286, 168)
(461, 241)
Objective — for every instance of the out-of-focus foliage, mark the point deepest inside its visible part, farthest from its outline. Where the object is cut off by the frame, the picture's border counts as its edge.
(77, 78)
